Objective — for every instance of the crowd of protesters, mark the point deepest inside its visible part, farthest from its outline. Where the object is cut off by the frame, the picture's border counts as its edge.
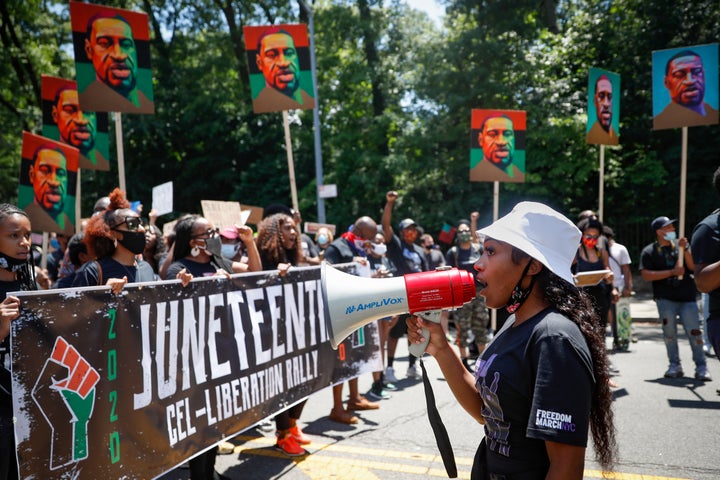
(118, 246)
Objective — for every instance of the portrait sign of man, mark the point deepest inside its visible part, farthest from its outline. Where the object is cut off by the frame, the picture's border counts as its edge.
(65, 121)
(603, 107)
(47, 184)
(279, 67)
(112, 59)
(685, 87)
(497, 146)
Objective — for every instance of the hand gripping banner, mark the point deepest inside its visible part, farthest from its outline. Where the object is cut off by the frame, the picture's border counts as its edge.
(130, 386)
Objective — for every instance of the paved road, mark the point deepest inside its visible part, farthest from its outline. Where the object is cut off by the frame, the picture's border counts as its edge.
(667, 428)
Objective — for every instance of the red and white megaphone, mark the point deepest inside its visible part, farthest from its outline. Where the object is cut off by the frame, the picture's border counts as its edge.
(351, 302)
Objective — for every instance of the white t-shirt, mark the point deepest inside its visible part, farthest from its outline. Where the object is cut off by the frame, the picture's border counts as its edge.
(618, 256)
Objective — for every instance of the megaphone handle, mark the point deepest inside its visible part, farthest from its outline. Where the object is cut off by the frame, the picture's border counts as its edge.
(418, 349)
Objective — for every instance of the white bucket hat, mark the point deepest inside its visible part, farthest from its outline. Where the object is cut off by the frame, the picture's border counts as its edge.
(541, 232)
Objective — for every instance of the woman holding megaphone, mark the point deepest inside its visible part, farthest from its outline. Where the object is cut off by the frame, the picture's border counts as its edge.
(542, 384)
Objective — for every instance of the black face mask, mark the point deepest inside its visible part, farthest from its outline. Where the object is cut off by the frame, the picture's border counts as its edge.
(133, 241)
(213, 245)
(10, 263)
(519, 294)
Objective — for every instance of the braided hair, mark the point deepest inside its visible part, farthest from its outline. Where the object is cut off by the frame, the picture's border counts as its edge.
(26, 273)
(269, 242)
(574, 304)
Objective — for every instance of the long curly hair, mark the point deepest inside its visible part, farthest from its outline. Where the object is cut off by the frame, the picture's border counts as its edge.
(26, 273)
(576, 305)
(98, 236)
(269, 242)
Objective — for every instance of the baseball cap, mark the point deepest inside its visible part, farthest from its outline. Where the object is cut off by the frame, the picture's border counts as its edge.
(661, 222)
(229, 232)
(408, 222)
(546, 235)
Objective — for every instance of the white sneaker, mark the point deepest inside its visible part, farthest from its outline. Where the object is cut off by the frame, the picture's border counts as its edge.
(412, 372)
(390, 375)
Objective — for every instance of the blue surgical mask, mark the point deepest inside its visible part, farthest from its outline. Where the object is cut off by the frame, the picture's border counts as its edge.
(670, 236)
(322, 239)
(229, 250)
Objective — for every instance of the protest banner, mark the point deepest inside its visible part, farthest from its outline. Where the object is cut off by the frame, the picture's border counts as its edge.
(132, 385)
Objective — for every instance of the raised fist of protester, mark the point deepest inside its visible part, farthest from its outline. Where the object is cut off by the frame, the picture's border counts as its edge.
(66, 379)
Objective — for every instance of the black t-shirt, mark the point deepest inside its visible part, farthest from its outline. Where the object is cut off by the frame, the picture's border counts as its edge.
(536, 381)
(657, 257)
(705, 247)
(197, 269)
(407, 258)
(340, 251)
(98, 272)
(464, 258)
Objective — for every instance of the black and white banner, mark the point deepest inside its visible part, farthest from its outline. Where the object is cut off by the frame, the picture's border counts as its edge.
(132, 385)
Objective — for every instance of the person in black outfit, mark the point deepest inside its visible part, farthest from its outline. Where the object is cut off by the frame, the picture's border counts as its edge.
(115, 239)
(407, 257)
(16, 273)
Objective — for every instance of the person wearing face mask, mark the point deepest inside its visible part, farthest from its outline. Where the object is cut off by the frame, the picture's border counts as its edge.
(675, 294)
(541, 389)
(433, 256)
(197, 252)
(17, 272)
(115, 239)
(408, 257)
(473, 317)
(231, 248)
(351, 247)
(323, 238)
(380, 267)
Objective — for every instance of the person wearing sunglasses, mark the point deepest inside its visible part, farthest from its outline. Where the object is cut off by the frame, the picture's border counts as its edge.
(197, 251)
(115, 239)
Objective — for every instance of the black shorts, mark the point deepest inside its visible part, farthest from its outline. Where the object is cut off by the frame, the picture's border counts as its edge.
(400, 328)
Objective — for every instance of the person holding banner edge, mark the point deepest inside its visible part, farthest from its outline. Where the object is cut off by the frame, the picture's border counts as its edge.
(542, 384)
(197, 252)
(16, 273)
(115, 239)
(278, 242)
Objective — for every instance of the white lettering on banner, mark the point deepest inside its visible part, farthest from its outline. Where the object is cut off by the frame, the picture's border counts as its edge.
(225, 400)
(218, 370)
(235, 298)
(254, 297)
(294, 327)
(301, 369)
(193, 345)
(167, 384)
(190, 328)
(274, 293)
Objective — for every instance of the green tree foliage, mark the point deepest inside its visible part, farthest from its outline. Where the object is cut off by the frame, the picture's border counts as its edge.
(395, 95)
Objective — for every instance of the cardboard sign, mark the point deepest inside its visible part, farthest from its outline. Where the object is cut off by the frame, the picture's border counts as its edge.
(162, 198)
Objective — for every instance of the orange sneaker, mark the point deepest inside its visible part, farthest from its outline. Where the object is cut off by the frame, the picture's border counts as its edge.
(300, 437)
(289, 446)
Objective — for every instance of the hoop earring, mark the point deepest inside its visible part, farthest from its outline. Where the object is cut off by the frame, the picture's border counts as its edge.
(195, 251)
